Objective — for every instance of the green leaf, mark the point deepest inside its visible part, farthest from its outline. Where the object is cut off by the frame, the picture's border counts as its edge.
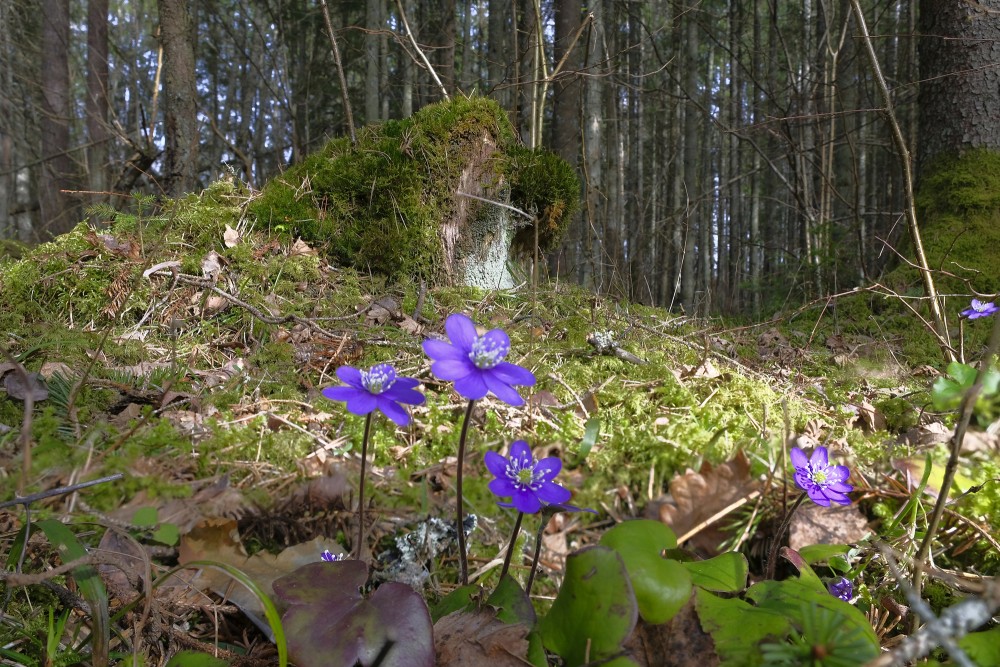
(793, 597)
(737, 627)
(591, 431)
(167, 534)
(726, 573)
(91, 586)
(822, 553)
(513, 603)
(661, 586)
(982, 647)
(594, 611)
(459, 599)
(145, 517)
(194, 659)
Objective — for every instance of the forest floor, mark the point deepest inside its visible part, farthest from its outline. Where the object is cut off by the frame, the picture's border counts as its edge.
(183, 353)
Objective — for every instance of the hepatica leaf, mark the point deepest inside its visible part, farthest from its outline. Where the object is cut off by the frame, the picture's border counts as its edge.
(595, 608)
(725, 573)
(662, 586)
(329, 621)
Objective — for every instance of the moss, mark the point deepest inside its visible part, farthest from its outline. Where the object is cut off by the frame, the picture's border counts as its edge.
(546, 186)
(377, 205)
(958, 205)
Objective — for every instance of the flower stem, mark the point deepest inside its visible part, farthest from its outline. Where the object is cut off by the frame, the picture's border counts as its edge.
(358, 548)
(772, 554)
(460, 514)
(510, 547)
(538, 550)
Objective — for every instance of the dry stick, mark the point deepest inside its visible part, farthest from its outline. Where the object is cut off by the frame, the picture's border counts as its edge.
(416, 47)
(62, 490)
(340, 71)
(965, 416)
(904, 156)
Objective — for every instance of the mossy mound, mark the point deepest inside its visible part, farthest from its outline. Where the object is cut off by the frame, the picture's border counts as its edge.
(379, 205)
(958, 206)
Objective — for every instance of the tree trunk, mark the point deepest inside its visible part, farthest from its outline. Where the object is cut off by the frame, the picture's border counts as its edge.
(373, 23)
(97, 98)
(56, 176)
(960, 78)
(180, 98)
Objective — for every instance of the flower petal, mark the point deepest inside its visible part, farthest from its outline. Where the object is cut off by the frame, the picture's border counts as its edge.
(817, 496)
(350, 376)
(521, 452)
(453, 369)
(439, 349)
(393, 411)
(840, 487)
(798, 457)
(362, 403)
(403, 395)
(526, 501)
(471, 386)
(406, 383)
(496, 464)
(341, 393)
(551, 466)
(502, 487)
(501, 389)
(819, 458)
(513, 374)
(461, 331)
(836, 497)
(551, 493)
(837, 474)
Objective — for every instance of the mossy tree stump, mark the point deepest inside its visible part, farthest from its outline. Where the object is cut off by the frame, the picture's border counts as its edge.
(407, 200)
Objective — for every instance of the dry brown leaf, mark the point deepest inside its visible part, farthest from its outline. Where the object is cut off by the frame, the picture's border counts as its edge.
(218, 540)
(696, 496)
(300, 247)
(869, 418)
(230, 237)
(479, 638)
(837, 524)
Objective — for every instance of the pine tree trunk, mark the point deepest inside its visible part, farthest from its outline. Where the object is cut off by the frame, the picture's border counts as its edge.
(180, 98)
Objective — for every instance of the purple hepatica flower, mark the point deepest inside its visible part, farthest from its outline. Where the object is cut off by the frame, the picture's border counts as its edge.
(526, 481)
(476, 363)
(841, 588)
(979, 309)
(377, 388)
(331, 557)
(822, 481)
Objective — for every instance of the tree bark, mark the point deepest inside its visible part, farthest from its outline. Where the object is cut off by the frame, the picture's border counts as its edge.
(57, 215)
(180, 98)
(97, 98)
(960, 78)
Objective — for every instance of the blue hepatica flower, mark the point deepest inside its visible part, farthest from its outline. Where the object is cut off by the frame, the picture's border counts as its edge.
(822, 481)
(476, 363)
(979, 309)
(526, 481)
(331, 557)
(841, 588)
(378, 388)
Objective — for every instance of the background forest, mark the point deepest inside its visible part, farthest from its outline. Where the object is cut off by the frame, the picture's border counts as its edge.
(735, 156)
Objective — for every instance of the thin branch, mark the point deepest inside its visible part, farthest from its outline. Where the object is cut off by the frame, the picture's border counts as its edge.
(904, 157)
(62, 490)
(340, 71)
(416, 47)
